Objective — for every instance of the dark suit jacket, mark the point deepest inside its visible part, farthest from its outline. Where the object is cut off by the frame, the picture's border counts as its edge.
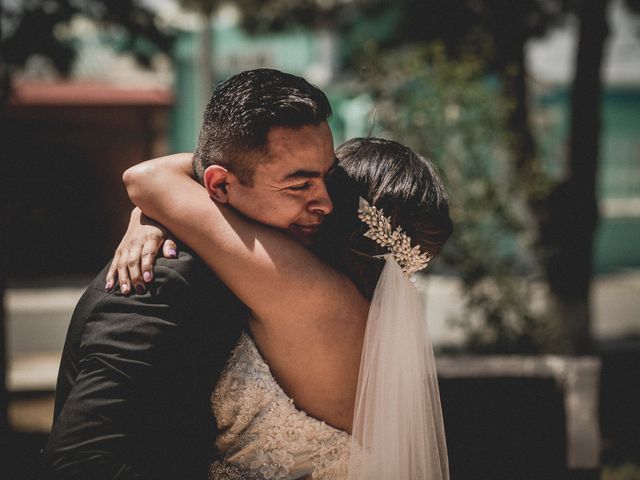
(137, 372)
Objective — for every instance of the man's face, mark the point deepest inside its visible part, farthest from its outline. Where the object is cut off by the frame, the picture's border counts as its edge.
(289, 190)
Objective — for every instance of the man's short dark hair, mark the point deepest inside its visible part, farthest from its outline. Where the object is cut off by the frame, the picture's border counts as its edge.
(244, 108)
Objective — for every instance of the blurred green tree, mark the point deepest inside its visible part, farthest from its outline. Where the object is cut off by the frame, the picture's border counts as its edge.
(565, 215)
(448, 110)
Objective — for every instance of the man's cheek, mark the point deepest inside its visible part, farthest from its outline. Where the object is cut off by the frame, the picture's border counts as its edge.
(292, 210)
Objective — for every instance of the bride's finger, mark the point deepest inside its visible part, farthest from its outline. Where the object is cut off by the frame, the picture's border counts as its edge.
(123, 275)
(133, 264)
(111, 273)
(149, 252)
(170, 248)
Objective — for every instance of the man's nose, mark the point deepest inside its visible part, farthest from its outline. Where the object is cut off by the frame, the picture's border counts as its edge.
(322, 203)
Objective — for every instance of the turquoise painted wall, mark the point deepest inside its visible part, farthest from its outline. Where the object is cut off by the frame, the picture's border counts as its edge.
(186, 116)
(618, 236)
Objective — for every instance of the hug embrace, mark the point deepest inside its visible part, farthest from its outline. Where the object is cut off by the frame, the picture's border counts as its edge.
(281, 337)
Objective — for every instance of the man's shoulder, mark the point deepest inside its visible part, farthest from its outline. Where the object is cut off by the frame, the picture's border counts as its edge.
(184, 278)
(187, 265)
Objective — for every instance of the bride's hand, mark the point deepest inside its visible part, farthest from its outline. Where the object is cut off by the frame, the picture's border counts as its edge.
(134, 257)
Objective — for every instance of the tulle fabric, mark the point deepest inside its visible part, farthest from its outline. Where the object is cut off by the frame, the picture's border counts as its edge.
(398, 432)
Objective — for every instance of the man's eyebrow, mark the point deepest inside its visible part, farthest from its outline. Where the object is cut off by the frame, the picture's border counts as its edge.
(302, 174)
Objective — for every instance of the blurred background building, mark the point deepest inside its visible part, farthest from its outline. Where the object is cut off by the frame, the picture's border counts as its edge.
(132, 82)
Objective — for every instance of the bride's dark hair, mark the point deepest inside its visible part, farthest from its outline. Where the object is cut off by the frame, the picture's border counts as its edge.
(399, 181)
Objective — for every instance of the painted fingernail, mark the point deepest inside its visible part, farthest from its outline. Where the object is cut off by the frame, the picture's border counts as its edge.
(108, 286)
(124, 288)
(139, 289)
(146, 276)
(172, 252)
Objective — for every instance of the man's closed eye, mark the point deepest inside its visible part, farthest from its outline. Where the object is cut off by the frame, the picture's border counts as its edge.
(301, 187)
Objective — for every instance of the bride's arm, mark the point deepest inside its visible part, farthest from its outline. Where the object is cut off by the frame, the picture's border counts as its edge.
(272, 274)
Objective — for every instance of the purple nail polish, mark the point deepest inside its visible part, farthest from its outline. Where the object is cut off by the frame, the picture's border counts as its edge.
(124, 288)
(146, 276)
(139, 289)
(108, 286)
(172, 252)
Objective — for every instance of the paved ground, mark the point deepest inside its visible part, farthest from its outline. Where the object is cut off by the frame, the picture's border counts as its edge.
(37, 320)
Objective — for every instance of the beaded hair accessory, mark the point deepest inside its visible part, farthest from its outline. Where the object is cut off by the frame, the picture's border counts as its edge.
(398, 242)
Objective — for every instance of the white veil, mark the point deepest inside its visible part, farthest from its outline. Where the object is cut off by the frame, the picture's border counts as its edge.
(398, 432)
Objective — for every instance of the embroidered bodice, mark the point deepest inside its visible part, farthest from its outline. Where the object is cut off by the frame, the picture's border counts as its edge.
(263, 433)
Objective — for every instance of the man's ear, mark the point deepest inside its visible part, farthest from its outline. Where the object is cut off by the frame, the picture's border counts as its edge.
(216, 178)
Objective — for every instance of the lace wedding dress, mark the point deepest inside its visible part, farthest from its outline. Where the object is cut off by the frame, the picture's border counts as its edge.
(264, 436)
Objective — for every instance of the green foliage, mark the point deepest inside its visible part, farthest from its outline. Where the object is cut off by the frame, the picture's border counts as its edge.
(450, 112)
(29, 28)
